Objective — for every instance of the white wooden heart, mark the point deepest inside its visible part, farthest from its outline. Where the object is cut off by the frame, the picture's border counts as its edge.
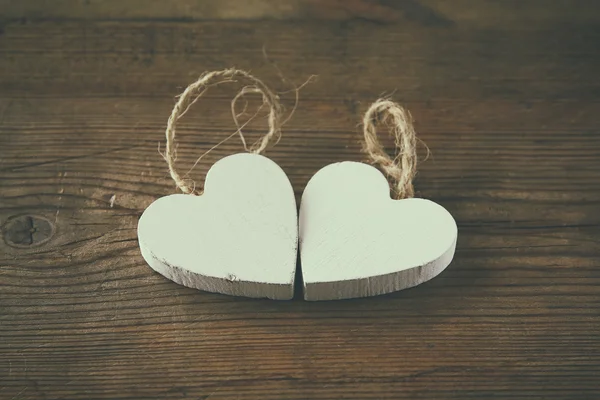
(355, 241)
(238, 238)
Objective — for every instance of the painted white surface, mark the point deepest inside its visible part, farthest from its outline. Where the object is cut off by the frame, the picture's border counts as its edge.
(355, 241)
(238, 238)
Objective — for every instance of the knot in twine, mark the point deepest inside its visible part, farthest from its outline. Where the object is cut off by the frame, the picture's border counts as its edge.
(403, 167)
(194, 91)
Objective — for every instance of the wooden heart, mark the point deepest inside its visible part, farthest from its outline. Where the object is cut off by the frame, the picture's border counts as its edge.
(355, 241)
(238, 238)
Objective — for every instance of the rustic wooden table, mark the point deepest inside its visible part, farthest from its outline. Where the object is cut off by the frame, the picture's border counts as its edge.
(504, 93)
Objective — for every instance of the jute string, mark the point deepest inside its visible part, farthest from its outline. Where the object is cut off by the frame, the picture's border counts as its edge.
(402, 169)
(194, 91)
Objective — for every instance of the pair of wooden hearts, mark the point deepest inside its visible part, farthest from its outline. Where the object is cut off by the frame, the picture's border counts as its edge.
(241, 236)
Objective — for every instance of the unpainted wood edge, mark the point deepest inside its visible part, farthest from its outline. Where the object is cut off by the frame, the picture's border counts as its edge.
(232, 286)
(378, 285)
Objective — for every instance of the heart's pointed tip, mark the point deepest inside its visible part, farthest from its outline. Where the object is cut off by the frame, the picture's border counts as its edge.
(267, 286)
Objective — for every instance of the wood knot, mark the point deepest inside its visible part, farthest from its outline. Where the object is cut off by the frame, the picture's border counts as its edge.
(24, 231)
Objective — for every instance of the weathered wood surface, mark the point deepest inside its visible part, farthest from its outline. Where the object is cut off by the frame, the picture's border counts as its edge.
(506, 98)
(483, 13)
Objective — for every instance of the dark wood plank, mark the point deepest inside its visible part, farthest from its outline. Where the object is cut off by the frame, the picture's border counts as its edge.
(482, 13)
(511, 115)
(417, 62)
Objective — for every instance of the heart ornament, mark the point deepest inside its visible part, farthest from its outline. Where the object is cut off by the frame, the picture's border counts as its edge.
(355, 240)
(238, 237)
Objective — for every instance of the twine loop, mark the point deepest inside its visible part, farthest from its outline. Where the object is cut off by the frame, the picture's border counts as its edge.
(195, 90)
(403, 167)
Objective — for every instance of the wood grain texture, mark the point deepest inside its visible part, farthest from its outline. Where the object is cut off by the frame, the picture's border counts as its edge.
(509, 110)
